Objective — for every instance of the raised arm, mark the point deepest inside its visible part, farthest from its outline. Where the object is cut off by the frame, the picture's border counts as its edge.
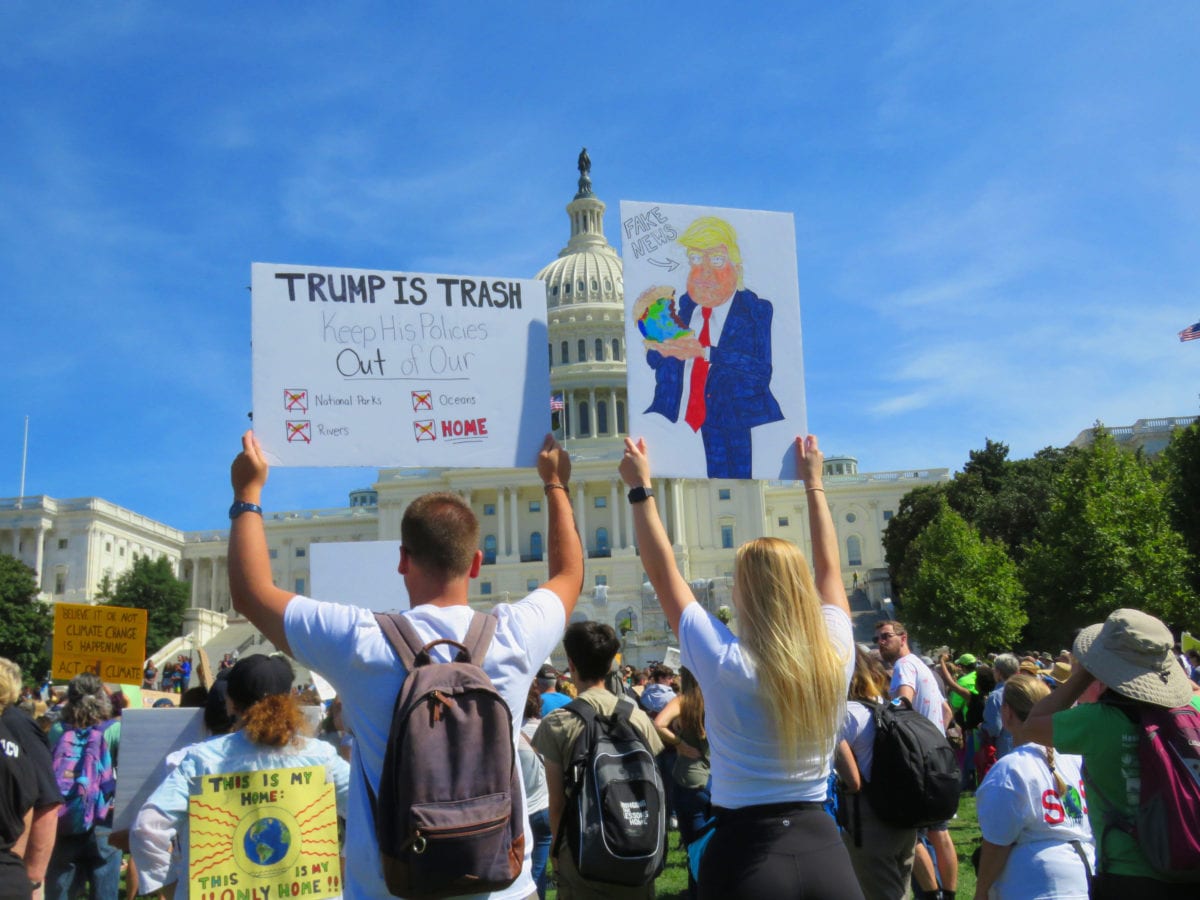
(657, 559)
(1038, 727)
(827, 566)
(563, 548)
(253, 592)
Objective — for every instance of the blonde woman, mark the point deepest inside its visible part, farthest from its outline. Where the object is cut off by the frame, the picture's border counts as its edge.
(775, 696)
(1036, 839)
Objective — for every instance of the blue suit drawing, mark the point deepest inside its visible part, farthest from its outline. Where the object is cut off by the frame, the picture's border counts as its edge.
(737, 394)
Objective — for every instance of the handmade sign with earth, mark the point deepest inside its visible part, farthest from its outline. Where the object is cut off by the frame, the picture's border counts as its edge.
(716, 378)
(271, 833)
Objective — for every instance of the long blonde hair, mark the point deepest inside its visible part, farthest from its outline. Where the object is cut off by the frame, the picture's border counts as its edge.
(799, 669)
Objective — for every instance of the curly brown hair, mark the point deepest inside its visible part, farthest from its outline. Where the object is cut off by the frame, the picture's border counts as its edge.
(275, 721)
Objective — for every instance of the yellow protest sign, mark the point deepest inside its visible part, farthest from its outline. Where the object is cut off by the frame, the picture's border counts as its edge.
(1187, 642)
(262, 835)
(107, 640)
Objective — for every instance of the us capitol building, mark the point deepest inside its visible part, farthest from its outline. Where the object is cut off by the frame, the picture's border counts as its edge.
(73, 544)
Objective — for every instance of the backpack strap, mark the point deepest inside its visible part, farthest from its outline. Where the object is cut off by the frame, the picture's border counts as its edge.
(413, 651)
(479, 636)
(402, 636)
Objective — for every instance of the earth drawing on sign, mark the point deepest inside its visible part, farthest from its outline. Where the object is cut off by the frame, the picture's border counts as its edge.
(267, 842)
(659, 321)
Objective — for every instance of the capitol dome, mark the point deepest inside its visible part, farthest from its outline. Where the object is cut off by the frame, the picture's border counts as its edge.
(585, 300)
(588, 269)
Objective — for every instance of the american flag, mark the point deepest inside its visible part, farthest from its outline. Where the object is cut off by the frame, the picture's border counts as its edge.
(1191, 333)
(556, 401)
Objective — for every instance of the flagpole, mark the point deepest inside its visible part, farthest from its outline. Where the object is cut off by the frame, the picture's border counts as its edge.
(24, 457)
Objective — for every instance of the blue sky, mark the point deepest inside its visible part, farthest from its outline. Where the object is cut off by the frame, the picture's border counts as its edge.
(997, 206)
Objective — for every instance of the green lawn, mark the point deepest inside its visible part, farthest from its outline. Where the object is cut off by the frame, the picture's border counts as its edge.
(672, 883)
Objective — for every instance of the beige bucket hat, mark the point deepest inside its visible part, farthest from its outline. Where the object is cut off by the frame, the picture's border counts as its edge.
(1130, 652)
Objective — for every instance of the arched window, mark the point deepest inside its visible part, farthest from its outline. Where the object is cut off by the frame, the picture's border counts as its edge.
(616, 345)
(582, 348)
(535, 545)
(489, 549)
(601, 417)
(550, 351)
(602, 541)
(853, 550)
(599, 354)
(563, 348)
(585, 420)
(620, 417)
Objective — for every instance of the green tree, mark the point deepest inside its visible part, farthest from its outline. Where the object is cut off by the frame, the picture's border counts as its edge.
(917, 509)
(964, 591)
(26, 623)
(1106, 543)
(152, 586)
(1180, 467)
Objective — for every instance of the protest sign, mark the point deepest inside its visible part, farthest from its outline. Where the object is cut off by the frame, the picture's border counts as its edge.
(147, 737)
(270, 833)
(107, 640)
(712, 326)
(359, 573)
(356, 367)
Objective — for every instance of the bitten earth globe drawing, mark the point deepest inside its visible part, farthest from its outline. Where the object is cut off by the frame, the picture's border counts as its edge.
(659, 320)
(267, 842)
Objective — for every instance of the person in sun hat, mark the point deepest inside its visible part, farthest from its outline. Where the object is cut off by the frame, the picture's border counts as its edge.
(1060, 672)
(1130, 655)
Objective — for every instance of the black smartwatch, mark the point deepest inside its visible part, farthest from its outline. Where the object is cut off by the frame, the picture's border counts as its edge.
(241, 506)
(640, 494)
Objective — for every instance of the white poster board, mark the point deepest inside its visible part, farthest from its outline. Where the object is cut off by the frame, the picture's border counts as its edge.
(355, 367)
(147, 736)
(358, 573)
(739, 417)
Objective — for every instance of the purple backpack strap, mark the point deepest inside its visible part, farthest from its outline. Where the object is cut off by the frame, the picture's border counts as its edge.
(402, 636)
(412, 651)
(479, 635)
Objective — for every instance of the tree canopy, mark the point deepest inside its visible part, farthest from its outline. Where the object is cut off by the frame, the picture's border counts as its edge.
(25, 622)
(964, 590)
(152, 586)
(1180, 468)
(1089, 530)
(1106, 543)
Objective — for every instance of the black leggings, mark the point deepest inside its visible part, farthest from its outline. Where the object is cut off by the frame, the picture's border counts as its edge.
(786, 850)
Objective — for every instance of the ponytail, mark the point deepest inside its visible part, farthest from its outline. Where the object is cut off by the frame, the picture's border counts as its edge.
(274, 721)
(1060, 786)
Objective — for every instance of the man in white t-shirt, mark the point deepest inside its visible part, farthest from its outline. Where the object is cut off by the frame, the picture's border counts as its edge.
(439, 555)
(913, 681)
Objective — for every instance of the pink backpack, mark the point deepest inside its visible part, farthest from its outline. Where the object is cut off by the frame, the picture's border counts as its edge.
(1166, 824)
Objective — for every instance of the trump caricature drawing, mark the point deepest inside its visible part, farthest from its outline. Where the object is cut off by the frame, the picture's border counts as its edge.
(711, 350)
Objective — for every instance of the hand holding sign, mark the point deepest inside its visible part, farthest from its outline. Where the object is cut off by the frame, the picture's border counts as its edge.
(249, 470)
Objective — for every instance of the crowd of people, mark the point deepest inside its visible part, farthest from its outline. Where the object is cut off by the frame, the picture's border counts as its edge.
(764, 747)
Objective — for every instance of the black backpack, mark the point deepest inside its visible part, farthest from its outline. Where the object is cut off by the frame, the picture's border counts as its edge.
(449, 814)
(914, 775)
(614, 822)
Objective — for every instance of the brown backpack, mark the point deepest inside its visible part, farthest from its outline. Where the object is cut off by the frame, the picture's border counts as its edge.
(449, 815)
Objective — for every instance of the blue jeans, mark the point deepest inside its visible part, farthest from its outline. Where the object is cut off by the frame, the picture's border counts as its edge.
(539, 824)
(80, 858)
(692, 810)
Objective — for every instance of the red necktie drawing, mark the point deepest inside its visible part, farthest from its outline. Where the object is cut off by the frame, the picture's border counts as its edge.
(696, 412)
